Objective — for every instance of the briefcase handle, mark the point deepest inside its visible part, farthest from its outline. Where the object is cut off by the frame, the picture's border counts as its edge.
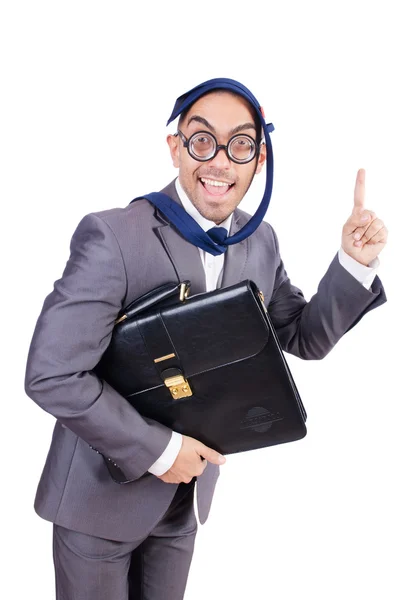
(150, 299)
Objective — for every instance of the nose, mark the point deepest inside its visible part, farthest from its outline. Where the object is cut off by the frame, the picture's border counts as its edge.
(221, 159)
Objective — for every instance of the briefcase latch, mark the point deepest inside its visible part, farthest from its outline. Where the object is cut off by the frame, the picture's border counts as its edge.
(179, 387)
(184, 289)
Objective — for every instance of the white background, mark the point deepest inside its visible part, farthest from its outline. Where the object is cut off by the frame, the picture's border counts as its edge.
(86, 90)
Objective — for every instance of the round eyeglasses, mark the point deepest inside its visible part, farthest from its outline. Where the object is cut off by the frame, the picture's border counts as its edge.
(203, 146)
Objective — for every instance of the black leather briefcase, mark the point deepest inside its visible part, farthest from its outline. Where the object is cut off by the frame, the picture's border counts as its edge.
(209, 366)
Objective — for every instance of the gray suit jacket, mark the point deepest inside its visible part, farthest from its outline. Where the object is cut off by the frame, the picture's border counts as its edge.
(116, 256)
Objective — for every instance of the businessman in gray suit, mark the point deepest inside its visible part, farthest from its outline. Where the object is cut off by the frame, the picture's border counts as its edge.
(114, 542)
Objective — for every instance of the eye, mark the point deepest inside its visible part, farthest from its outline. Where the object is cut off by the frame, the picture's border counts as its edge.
(243, 143)
(202, 139)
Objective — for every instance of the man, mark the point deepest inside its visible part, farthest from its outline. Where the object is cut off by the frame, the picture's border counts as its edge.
(112, 540)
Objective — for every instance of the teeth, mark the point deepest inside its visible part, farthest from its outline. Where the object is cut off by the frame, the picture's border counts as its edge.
(215, 183)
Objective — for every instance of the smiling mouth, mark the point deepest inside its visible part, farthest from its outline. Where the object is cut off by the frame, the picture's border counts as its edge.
(215, 187)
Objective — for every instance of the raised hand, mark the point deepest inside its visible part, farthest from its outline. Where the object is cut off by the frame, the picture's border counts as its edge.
(363, 235)
(189, 462)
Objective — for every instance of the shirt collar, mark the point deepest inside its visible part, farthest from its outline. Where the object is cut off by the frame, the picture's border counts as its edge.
(194, 213)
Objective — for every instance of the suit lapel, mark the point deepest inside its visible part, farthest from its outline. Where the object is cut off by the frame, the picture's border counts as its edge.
(184, 256)
(236, 255)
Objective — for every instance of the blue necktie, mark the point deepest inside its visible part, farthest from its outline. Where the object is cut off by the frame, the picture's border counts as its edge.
(187, 226)
(218, 234)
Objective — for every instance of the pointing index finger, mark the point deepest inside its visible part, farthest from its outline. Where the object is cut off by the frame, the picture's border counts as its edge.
(359, 191)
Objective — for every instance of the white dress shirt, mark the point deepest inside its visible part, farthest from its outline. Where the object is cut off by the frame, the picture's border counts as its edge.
(213, 268)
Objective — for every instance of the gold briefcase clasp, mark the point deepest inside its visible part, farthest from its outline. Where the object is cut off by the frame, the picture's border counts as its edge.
(179, 387)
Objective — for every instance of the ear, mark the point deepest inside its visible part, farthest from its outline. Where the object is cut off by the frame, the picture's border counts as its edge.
(173, 143)
(261, 159)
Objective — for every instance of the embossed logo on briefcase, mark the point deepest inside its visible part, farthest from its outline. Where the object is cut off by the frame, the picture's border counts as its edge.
(260, 419)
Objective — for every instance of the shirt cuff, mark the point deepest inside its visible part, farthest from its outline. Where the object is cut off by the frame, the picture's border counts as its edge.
(167, 459)
(364, 275)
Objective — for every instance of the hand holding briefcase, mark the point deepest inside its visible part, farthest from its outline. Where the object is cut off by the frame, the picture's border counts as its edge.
(209, 366)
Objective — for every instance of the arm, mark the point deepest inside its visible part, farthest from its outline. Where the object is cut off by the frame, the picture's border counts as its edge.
(310, 329)
(72, 332)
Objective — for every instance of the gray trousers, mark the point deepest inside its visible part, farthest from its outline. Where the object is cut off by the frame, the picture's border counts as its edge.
(154, 568)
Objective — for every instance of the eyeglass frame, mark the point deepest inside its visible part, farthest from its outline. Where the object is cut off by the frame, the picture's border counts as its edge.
(186, 144)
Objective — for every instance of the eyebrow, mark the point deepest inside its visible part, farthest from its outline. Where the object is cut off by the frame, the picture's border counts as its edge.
(235, 130)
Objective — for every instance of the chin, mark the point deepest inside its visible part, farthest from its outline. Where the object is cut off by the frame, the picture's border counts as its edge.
(215, 211)
(215, 215)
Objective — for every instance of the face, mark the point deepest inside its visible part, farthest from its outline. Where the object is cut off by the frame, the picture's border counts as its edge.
(217, 186)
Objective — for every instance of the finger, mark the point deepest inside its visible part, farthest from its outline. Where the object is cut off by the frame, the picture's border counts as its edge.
(358, 233)
(367, 234)
(211, 455)
(380, 237)
(359, 191)
(202, 468)
(356, 220)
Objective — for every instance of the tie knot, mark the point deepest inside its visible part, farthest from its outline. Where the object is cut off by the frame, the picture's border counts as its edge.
(218, 234)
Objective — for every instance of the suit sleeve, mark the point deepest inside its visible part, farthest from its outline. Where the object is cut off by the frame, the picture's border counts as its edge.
(72, 332)
(311, 329)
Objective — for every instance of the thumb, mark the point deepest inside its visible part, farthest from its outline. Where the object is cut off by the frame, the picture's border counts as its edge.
(211, 455)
